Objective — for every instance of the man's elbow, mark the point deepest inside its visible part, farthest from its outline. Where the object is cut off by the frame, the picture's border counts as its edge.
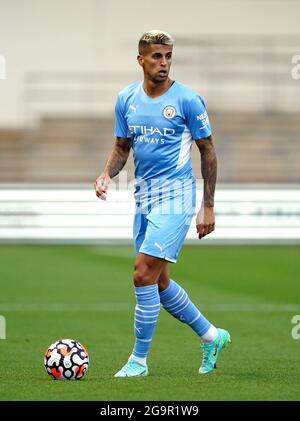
(205, 144)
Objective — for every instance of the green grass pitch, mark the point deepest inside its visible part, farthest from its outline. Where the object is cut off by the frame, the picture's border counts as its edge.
(86, 293)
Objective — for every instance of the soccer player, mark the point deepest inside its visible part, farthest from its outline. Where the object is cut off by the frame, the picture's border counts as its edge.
(159, 119)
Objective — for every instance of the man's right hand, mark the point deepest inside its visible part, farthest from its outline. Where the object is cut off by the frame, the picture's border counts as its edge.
(101, 185)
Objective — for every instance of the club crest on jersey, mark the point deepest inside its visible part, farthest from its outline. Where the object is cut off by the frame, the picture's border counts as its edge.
(169, 111)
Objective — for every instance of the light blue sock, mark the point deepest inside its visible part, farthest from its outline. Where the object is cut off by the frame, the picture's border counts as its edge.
(176, 301)
(145, 316)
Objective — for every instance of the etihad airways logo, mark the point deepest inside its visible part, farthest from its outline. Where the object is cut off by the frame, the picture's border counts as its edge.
(150, 130)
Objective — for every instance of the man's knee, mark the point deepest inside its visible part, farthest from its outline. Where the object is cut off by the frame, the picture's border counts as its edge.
(143, 275)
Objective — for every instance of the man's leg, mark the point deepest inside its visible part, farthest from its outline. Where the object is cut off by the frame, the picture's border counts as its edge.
(176, 301)
(146, 273)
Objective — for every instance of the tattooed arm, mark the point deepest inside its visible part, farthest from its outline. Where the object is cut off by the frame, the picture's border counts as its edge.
(205, 220)
(115, 162)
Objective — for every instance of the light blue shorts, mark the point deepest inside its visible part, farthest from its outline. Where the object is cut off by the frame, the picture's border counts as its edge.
(161, 224)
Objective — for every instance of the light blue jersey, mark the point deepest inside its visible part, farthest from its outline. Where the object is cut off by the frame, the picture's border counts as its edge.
(162, 130)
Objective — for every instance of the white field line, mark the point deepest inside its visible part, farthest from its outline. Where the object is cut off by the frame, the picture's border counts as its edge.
(264, 308)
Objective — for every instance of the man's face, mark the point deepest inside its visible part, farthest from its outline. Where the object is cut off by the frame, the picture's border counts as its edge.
(156, 62)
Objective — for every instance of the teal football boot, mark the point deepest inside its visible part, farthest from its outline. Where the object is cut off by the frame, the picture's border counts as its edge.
(212, 350)
(132, 369)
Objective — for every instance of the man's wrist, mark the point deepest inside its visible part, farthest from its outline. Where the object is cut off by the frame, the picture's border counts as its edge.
(105, 174)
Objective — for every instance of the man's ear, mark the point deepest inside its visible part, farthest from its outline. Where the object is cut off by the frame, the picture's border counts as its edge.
(140, 60)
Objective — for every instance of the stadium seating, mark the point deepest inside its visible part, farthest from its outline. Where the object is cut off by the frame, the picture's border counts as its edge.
(251, 146)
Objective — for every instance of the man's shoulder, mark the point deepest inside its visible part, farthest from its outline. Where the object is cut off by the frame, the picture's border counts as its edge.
(129, 90)
(186, 93)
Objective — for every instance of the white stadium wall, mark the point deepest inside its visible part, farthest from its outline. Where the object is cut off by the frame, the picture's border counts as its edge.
(101, 36)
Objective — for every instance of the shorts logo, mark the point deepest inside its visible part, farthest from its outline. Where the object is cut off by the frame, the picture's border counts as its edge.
(169, 111)
(159, 246)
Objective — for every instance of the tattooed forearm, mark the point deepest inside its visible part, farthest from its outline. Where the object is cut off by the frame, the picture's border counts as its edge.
(208, 169)
(118, 157)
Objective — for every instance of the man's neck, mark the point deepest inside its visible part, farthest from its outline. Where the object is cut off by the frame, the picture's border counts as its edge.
(154, 90)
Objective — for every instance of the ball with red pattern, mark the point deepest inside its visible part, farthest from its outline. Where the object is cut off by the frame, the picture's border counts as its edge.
(66, 359)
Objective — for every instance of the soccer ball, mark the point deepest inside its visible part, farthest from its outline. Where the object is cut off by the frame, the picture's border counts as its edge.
(66, 359)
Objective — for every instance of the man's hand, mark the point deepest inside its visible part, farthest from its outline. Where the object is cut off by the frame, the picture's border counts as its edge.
(205, 221)
(115, 162)
(101, 185)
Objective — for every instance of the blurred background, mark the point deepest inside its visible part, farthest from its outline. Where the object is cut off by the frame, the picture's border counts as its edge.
(66, 258)
(63, 63)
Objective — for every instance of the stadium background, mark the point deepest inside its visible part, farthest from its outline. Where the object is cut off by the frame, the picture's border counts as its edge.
(66, 258)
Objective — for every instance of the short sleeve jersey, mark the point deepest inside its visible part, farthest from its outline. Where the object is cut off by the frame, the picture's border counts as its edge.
(162, 129)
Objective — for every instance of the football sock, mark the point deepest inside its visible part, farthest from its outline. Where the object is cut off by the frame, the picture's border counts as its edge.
(140, 360)
(210, 335)
(176, 301)
(145, 316)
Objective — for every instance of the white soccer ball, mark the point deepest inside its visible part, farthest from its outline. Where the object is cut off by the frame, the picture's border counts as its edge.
(66, 359)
